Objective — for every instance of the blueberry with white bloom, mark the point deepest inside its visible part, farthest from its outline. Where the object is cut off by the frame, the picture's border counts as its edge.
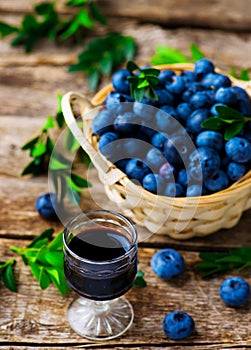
(235, 291)
(178, 325)
(167, 263)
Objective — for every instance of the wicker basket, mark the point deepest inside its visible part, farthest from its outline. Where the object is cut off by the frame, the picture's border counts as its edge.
(180, 218)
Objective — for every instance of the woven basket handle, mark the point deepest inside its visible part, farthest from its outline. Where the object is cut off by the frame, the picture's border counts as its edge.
(100, 163)
(85, 104)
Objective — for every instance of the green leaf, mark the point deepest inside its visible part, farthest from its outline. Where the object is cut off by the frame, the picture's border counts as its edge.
(30, 144)
(84, 19)
(166, 54)
(35, 269)
(38, 150)
(80, 181)
(8, 278)
(93, 79)
(57, 242)
(96, 13)
(139, 280)
(49, 123)
(131, 66)
(46, 234)
(6, 29)
(196, 53)
(229, 113)
(138, 94)
(244, 75)
(233, 130)
(44, 278)
(72, 143)
(54, 258)
(56, 164)
(76, 2)
(31, 168)
(213, 123)
(106, 63)
(54, 273)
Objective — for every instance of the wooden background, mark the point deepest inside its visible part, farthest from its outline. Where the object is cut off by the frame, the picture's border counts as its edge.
(35, 319)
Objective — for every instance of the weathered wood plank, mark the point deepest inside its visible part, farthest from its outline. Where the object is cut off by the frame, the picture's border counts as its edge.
(35, 80)
(32, 316)
(166, 12)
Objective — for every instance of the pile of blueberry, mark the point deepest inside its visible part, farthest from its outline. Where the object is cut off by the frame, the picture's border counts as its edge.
(161, 144)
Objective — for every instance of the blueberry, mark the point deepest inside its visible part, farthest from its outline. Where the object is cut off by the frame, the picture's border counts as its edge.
(235, 171)
(108, 146)
(165, 76)
(201, 99)
(243, 100)
(120, 81)
(165, 119)
(158, 140)
(136, 169)
(153, 183)
(116, 101)
(164, 97)
(148, 128)
(174, 190)
(182, 177)
(154, 159)
(195, 119)
(194, 191)
(121, 164)
(205, 160)
(210, 138)
(215, 81)
(203, 67)
(103, 122)
(46, 205)
(133, 148)
(218, 182)
(192, 88)
(178, 325)
(177, 149)
(183, 110)
(167, 263)
(126, 123)
(238, 149)
(226, 96)
(176, 86)
(167, 171)
(235, 291)
(188, 76)
(143, 110)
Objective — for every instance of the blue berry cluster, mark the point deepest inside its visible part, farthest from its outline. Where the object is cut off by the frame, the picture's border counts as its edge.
(161, 144)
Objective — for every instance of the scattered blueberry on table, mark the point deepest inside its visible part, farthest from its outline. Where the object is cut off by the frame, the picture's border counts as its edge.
(167, 263)
(169, 126)
(46, 205)
(235, 291)
(178, 325)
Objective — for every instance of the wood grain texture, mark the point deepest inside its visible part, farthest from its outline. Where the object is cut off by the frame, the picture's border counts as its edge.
(32, 316)
(195, 13)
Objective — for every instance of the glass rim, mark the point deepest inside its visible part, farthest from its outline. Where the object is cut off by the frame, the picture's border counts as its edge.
(102, 262)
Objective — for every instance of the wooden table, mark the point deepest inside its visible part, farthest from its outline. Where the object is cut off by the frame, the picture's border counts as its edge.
(35, 319)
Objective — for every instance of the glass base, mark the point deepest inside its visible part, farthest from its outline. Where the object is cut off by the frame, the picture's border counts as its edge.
(100, 320)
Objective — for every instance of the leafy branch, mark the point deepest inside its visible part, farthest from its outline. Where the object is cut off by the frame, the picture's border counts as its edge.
(46, 23)
(6, 274)
(142, 82)
(213, 263)
(139, 280)
(44, 154)
(103, 55)
(44, 255)
(229, 120)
